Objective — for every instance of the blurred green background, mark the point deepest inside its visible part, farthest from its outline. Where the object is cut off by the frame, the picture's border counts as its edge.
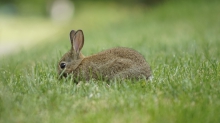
(41, 7)
(25, 22)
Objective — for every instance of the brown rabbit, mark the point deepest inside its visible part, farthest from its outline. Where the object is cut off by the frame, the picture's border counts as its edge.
(115, 63)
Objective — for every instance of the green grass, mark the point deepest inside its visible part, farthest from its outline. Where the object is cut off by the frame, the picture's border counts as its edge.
(179, 40)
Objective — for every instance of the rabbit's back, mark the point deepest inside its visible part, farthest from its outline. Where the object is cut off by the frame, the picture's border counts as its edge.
(115, 63)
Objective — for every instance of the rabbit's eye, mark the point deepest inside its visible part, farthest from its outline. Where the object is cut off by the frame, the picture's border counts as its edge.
(62, 65)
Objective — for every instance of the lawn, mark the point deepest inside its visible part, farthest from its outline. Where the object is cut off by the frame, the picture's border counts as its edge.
(180, 40)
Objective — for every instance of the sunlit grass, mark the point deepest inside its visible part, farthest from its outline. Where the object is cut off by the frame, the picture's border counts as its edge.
(26, 30)
(181, 46)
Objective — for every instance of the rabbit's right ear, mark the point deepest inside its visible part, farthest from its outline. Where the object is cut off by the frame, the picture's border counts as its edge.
(72, 34)
(77, 40)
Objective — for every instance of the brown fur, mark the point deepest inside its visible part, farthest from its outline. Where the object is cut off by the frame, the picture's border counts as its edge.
(115, 63)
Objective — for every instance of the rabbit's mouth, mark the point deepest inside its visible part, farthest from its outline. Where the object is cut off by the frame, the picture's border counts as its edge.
(64, 75)
(61, 75)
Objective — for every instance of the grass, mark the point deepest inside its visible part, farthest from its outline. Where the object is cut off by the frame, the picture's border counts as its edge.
(179, 40)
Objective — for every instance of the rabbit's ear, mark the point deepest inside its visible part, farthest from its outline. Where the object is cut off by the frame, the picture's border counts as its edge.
(72, 34)
(78, 41)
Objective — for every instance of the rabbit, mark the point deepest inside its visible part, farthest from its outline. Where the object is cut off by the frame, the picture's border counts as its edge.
(115, 63)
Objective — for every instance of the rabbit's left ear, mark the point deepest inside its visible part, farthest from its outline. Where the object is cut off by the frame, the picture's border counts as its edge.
(77, 40)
